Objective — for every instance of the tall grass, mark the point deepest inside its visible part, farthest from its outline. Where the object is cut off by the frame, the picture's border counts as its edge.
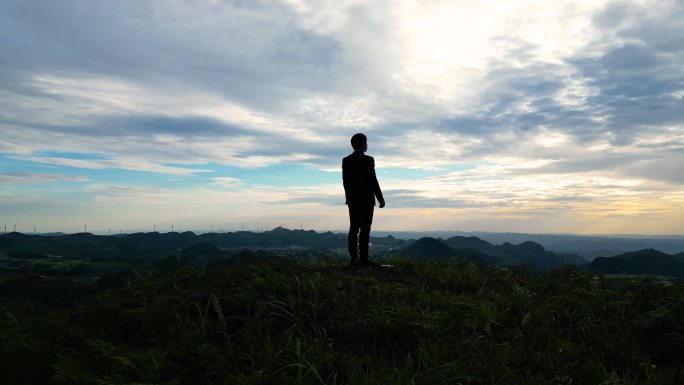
(295, 322)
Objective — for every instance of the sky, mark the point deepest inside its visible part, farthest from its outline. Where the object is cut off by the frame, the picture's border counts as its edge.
(505, 116)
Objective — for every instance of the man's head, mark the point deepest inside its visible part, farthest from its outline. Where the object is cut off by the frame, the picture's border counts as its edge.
(359, 142)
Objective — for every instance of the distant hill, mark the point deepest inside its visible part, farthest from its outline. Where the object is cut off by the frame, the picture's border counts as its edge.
(142, 241)
(430, 248)
(532, 253)
(591, 246)
(162, 244)
(647, 261)
(526, 253)
(587, 246)
(433, 249)
(204, 248)
(475, 243)
(279, 237)
(79, 245)
(389, 241)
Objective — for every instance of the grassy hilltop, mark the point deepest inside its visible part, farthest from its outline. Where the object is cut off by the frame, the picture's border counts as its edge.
(295, 322)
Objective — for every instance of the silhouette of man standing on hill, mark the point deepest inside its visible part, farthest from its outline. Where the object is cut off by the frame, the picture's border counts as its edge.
(361, 187)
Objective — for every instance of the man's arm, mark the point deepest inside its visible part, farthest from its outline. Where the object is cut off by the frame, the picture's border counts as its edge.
(376, 186)
(345, 182)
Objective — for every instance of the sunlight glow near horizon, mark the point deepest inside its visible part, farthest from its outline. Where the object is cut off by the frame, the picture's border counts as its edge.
(530, 116)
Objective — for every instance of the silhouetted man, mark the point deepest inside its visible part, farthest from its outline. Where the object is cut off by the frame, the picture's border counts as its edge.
(361, 187)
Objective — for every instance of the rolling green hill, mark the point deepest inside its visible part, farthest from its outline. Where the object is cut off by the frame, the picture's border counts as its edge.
(526, 253)
(474, 243)
(72, 253)
(436, 250)
(648, 261)
(294, 322)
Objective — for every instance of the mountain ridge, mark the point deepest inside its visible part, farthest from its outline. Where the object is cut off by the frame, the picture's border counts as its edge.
(646, 261)
(217, 245)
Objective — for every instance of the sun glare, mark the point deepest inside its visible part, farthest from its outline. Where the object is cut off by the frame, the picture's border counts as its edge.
(447, 45)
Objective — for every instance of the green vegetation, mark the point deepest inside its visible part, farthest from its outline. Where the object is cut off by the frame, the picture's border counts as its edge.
(648, 261)
(296, 322)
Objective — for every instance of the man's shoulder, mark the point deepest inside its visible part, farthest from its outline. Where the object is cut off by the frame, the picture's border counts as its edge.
(355, 157)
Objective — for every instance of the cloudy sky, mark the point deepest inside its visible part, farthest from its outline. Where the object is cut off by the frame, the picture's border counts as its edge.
(526, 116)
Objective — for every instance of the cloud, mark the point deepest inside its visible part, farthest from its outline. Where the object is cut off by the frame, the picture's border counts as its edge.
(254, 53)
(16, 178)
(227, 181)
(124, 164)
(561, 105)
(486, 87)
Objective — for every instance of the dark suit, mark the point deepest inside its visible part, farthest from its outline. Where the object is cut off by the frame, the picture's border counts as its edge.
(361, 187)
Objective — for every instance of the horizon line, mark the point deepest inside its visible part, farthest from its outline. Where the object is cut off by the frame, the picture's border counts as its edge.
(220, 230)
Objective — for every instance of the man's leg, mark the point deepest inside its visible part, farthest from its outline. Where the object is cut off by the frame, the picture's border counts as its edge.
(366, 219)
(352, 237)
